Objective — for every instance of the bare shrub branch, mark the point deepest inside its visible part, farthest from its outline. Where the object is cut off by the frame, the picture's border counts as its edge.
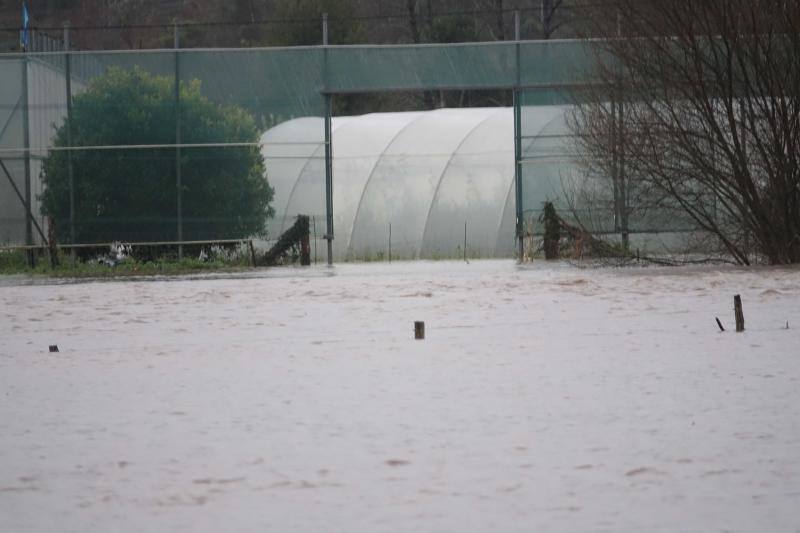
(695, 112)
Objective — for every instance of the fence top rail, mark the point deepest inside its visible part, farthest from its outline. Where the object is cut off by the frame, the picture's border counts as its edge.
(123, 243)
(317, 47)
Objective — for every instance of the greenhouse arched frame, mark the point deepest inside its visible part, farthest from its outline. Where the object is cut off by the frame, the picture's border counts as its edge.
(536, 72)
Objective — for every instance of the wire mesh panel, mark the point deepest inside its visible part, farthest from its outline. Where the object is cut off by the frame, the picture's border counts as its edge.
(357, 68)
(600, 196)
(110, 169)
(453, 66)
(272, 85)
(12, 172)
(182, 144)
(555, 64)
(159, 145)
(546, 162)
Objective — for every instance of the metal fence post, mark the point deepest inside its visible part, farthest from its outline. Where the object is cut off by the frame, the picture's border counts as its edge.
(70, 170)
(328, 102)
(518, 143)
(26, 138)
(178, 185)
(518, 172)
(329, 177)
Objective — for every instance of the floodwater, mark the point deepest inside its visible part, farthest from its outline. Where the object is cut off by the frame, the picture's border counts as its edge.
(544, 398)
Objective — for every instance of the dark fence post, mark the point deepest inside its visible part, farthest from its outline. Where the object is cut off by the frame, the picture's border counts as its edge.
(178, 184)
(738, 314)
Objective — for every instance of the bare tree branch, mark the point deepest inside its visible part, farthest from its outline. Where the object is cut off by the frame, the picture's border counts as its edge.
(710, 91)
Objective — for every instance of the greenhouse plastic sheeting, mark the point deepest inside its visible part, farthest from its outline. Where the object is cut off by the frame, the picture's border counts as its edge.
(427, 174)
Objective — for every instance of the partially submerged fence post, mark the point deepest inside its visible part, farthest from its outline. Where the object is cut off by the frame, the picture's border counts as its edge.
(552, 231)
(314, 222)
(419, 329)
(738, 314)
(70, 166)
(465, 241)
(26, 139)
(329, 177)
(305, 248)
(178, 185)
(516, 97)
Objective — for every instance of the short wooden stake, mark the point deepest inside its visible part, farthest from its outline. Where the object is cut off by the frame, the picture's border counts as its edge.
(419, 329)
(738, 314)
(720, 324)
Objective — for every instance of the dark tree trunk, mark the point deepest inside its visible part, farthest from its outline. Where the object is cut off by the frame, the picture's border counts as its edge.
(499, 20)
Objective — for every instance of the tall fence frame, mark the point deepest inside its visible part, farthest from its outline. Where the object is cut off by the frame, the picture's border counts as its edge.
(543, 71)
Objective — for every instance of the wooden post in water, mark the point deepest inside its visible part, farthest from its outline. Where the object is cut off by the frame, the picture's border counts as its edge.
(305, 249)
(51, 242)
(419, 329)
(738, 314)
(252, 254)
(314, 223)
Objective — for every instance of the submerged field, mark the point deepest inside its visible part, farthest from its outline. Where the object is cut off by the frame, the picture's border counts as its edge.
(544, 398)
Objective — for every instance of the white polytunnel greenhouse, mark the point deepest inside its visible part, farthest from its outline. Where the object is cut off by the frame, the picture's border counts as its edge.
(427, 178)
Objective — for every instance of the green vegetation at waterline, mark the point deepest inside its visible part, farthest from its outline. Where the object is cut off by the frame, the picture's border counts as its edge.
(15, 262)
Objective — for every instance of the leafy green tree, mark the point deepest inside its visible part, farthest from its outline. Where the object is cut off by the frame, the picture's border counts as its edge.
(130, 193)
